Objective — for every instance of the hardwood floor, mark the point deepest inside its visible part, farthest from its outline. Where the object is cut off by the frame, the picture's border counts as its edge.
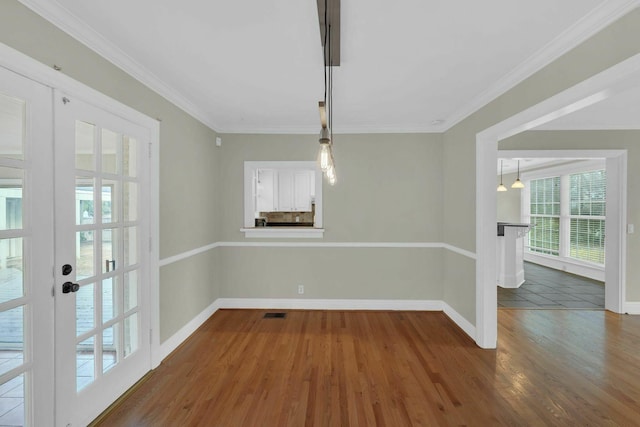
(350, 368)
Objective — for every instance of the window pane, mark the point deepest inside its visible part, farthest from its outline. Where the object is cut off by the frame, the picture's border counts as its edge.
(85, 363)
(85, 146)
(130, 290)
(110, 199)
(130, 195)
(11, 276)
(109, 348)
(130, 334)
(129, 156)
(85, 254)
(85, 201)
(587, 240)
(12, 127)
(110, 249)
(130, 245)
(11, 184)
(110, 142)
(85, 303)
(109, 306)
(11, 339)
(12, 411)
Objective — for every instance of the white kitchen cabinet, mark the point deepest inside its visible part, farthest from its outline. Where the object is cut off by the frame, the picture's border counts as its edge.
(265, 190)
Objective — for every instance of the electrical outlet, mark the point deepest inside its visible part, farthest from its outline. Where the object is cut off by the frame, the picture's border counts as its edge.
(300, 289)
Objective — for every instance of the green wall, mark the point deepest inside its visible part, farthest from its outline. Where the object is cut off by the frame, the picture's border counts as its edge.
(389, 190)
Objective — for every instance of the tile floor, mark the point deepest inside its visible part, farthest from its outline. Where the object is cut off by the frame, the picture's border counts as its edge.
(548, 288)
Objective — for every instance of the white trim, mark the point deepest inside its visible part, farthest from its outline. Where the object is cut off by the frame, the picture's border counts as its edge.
(599, 87)
(459, 251)
(569, 168)
(424, 245)
(283, 232)
(330, 304)
(632, 308)
(570, 265)
(457, 318)
(187, 254)
(185, 332)
(70, 24)
(598, 19)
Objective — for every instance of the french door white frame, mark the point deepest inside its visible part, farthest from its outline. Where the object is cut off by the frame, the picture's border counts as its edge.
(614, 80)
(26, 66)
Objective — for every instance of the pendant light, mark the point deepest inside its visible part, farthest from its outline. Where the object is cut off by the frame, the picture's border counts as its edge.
(325, 154)
(501, 187)
(517, 183)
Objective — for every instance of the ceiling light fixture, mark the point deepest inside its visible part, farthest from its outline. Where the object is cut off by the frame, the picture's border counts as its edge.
(325, 154)
(501, 187)
(517, 183)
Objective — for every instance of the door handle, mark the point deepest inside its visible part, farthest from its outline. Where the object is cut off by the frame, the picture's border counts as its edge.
(70, 287)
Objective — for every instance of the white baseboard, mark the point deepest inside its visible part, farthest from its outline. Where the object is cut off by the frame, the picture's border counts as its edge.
(632, 308)
(185, 332)
(310, 304)
(457, 318)
(330, 304)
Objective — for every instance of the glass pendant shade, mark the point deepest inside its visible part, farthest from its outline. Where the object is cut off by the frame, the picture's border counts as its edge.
(502, 187)
(517, 184)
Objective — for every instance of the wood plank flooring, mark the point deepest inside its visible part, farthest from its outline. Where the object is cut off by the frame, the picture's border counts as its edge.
(351, 368)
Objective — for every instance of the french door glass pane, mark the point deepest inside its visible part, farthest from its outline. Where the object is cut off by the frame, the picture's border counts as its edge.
(109, 306)
(130, 208)
(85, 254)
(110, 142)
(129, 158)
(130, 290)
(109, 249)
(85, 146)
(85, 363)
(130, 334)
(109, 347)
(110, 199)
(85, 201)
(11, 276)
(12, 402)
(11, 339)
(11, 185)
(85, 308)
(130, 245)
(12, 127)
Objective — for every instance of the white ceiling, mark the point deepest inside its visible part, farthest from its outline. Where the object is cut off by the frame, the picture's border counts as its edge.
(256, 65)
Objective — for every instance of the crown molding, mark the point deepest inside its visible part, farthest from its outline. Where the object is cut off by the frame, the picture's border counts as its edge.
(592, 23)
(598, 19)
(66, 21)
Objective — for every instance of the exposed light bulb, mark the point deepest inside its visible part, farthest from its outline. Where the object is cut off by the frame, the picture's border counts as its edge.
(324, 156)
(331, 174)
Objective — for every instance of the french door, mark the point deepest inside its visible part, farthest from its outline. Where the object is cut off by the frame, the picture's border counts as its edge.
(101, 267)
(26, 252)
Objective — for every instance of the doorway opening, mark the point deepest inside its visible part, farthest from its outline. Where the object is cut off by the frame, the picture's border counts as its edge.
(595, 89)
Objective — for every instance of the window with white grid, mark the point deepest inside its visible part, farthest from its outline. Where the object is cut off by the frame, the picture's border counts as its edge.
(544, 236)
(588, 192)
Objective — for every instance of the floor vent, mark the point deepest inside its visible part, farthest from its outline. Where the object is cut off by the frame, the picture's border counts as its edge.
(275, 315)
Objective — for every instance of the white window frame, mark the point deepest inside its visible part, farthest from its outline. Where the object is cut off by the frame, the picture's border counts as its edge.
(562, 260)
(251, 231)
